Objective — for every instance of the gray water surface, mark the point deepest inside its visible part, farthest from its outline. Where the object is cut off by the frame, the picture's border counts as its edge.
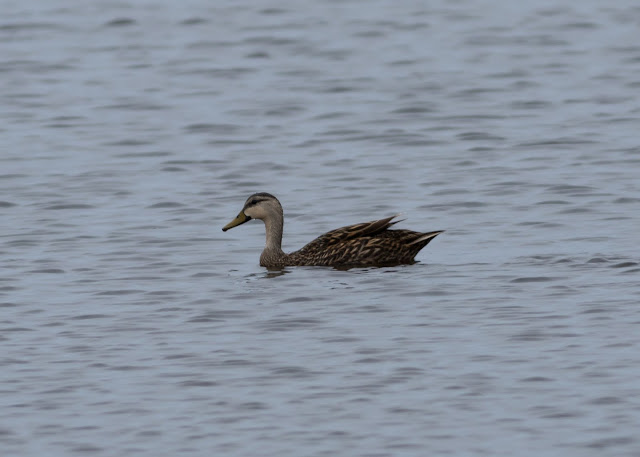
(133, 131)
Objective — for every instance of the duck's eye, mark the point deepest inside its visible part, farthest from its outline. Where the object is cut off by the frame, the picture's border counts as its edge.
(254, 201)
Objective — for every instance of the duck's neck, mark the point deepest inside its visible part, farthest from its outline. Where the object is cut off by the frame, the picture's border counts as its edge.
(274, 227)
(273, 253)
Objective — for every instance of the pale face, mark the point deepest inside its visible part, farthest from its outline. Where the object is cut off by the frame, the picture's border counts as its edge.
(256, 211)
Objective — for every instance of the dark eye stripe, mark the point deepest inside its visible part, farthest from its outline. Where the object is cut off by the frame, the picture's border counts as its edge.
(260, 197)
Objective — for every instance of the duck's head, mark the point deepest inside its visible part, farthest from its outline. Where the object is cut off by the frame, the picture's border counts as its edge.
(259, 206)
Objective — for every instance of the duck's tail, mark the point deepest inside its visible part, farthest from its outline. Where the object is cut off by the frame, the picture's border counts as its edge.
(425, 238)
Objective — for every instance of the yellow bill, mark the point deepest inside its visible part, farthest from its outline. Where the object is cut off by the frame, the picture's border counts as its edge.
(240, 219)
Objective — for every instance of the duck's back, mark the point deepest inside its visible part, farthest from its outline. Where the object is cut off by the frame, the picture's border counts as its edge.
(368, 243)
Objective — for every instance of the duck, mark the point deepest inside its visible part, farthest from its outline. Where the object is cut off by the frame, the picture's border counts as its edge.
(360, 245)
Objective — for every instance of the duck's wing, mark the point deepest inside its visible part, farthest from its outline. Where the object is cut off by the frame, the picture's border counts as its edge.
(350, 232)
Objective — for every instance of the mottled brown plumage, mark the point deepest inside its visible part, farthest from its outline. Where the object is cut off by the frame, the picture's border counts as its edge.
(366, 244)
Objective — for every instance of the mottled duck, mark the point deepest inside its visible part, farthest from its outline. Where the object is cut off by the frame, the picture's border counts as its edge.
(366, 244)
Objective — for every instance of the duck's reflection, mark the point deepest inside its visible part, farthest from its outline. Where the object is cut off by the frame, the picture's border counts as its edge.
(275, 272)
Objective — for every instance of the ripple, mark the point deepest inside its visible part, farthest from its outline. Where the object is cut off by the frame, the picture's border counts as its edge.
(198, 383)
(142, 155)
(625, 265)
(194, 21)
(90, 316)
(64, 206)
(29, 26)
(212, 128)
(607, 400)
(166, 205)
(536, 379)
(625, 200)
(287, 324)
(219, 315)
(291, 371)
(121, 22)
(120, 292)
(607, 443)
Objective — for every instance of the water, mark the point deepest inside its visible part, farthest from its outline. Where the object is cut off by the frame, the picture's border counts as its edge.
(133, 131)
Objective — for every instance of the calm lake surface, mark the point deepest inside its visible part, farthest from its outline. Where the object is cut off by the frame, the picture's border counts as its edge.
(132, 131)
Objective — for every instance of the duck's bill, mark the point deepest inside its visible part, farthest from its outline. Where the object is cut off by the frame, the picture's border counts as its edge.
(239, 220)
